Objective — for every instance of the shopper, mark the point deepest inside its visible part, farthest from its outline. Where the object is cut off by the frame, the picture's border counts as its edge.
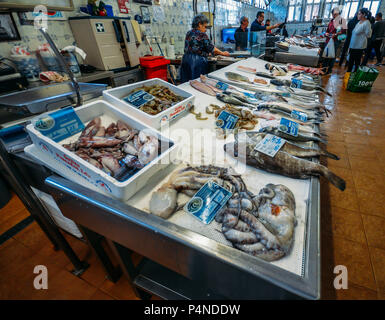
(257, 24)
(378, 35)
(351, 25)
(196, 50)
(241, 35)
(337, 26)
(358, 43)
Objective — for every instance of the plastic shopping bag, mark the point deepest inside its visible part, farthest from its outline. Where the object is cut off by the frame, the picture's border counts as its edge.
(362, 80)
(329, 51)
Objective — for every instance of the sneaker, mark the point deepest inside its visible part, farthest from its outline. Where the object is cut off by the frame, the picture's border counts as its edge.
(378, 64)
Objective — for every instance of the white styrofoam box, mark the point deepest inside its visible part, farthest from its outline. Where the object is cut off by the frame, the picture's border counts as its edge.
(81, 168)
(116, 95)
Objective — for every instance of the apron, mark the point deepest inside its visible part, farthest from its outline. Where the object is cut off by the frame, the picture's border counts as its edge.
(193, 65)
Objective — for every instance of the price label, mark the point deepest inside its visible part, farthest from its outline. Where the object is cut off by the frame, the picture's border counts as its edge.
(59, 125)
(226, 120)
(295, 83)
(289, 127)
(138, 98)
(222, 86)
(302, 116)
(270, 145)
(207, 202)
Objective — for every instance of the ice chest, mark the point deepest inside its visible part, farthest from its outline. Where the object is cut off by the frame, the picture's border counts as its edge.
(115, 96)
(87, 172)
(155, 67)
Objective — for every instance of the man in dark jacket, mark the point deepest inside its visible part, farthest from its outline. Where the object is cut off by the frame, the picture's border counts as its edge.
(378, 35)
(241, 35)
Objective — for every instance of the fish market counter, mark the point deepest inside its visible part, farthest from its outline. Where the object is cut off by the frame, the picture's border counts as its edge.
(185, 258)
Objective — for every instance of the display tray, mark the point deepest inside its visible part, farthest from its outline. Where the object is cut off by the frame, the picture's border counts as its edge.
(67, 163)
(116, 95)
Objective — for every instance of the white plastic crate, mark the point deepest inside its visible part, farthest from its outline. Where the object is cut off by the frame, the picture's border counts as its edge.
(93, 175)
(115, 96)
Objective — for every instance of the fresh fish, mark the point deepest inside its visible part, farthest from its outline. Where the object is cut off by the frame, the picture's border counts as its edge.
(214, 83)
(293, 149)
(276, 70)
(226, 98)
(299, 138)
(286, 110)
(202, 87)
(251, 87)
(237, 77)
(247, 69)
(304, 86)
(264, 75)
(282, 163)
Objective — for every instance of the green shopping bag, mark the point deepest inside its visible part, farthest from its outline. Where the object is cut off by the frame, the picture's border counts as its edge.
(362, 80)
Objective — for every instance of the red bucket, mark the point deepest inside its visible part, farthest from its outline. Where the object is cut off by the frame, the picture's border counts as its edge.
(155, 67)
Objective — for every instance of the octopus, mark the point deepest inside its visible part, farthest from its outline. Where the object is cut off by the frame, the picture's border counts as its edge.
(261, 225)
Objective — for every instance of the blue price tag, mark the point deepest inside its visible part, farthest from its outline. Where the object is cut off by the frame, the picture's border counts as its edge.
(270, 145)
(222, 86)
(295, 83)
(250, 96)
(138, 98)
(207, 202)
(289, 127)
(302, 116)
(59, 125)
(226, 120)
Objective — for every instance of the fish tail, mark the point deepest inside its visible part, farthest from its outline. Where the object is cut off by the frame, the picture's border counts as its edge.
(321, 140)
(333, 178)
(329, 155)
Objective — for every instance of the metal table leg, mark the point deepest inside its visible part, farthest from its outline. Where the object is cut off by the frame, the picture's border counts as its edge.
(94, 240)
(125, 261)
(37, 210)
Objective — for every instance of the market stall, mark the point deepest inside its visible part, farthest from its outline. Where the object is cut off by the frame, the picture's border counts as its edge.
(201, 253)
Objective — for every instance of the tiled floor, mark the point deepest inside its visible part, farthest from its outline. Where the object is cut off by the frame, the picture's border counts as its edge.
(352, 222)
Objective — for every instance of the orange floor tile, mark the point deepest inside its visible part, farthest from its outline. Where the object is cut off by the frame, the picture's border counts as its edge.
(352, 222)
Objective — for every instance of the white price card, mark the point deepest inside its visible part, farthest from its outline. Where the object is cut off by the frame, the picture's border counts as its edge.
(270, 145)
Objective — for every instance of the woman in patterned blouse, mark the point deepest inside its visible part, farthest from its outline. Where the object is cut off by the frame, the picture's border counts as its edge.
(196, 50)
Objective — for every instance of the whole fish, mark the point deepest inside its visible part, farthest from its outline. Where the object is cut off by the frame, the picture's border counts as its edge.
(251, 87)
(247, 69)
(216, 83)
(202, 87)
(282, 163)
(276, 70)
(237, 77)
(293, 149)
(265, 75)
(226, 98)
(287, 111)
(286, 114)
(299, 138)
(304, 86)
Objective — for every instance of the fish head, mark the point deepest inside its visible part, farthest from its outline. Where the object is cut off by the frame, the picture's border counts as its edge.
(239, 148)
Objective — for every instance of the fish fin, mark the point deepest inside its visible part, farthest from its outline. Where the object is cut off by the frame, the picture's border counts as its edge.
(334, 179)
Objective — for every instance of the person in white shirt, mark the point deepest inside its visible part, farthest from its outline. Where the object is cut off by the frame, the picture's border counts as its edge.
(360, 35)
